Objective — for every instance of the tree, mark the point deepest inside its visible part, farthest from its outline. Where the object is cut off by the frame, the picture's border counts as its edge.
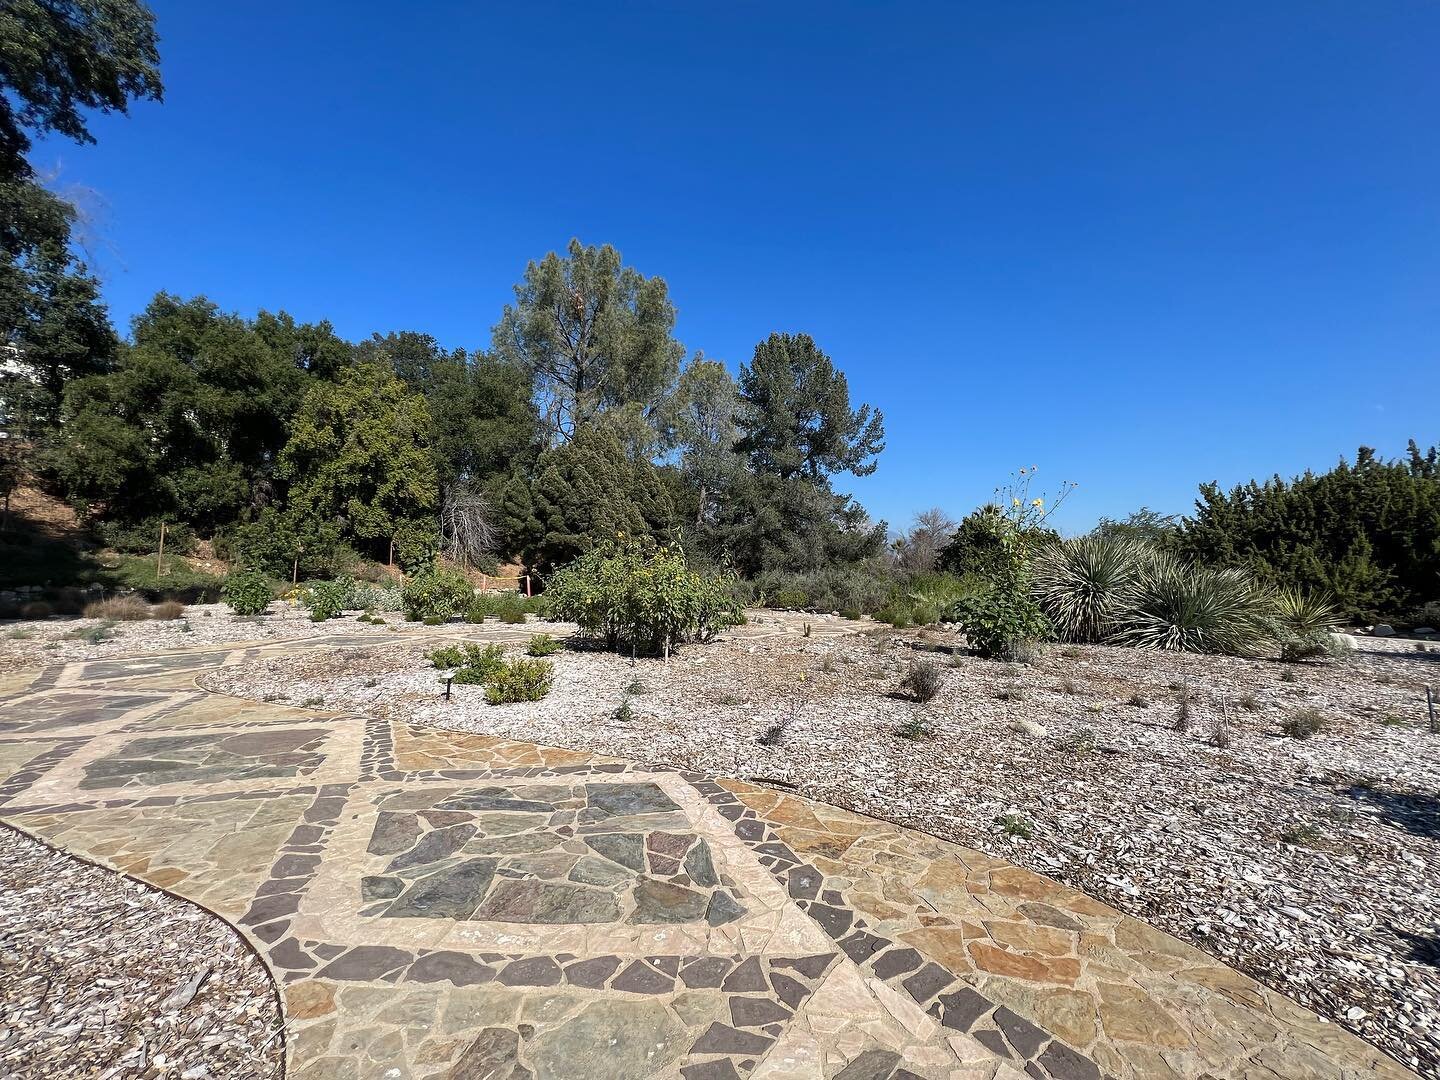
(918, 550)
(592, 334)
(700, 423)
(584, 492)
(796, 418)
(797, 430)
(58, 57)
(1146, 525)
(483, 421)
(1365, 534)
(359, 452)
(188, 424)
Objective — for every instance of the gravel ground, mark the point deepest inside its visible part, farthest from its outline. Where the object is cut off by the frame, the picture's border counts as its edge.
(97, 979)
(34, 643)
(1311, 864)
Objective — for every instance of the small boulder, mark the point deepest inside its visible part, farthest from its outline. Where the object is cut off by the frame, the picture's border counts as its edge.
(1028, 727)
(1383, 630)
(1425, 630)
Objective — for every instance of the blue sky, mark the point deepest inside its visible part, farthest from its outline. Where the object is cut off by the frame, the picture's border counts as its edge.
(1139, 245)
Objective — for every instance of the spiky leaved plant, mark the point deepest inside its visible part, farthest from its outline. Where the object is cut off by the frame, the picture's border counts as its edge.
(1182, 607)
(1086, 583)
(1306, 626)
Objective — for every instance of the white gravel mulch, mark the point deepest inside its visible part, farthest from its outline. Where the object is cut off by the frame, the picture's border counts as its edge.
(1312, 865)
(102, 976)
(37, 642)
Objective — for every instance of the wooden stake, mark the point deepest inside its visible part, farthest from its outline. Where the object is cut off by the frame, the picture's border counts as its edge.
(1430, 705)
(160, 556)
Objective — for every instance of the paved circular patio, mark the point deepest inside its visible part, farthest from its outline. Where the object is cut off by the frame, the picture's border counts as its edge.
(437, 904)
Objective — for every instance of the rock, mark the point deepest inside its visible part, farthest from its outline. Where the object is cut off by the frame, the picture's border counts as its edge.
(1028, 727)
(1344, 642)
(1425, 630)
(1383, 630)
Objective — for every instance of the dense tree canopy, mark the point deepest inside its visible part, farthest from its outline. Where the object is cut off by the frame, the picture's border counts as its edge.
(359, 453)
(1366, 533)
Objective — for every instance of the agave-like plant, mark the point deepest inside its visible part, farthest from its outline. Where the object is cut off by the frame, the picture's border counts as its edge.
(1307, 625)
(1086, 584)
(1183, 607)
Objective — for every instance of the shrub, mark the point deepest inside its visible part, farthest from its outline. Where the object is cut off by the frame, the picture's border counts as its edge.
(327, 599)
(1000, 621)
(1306, 626)
(247, 592)
(923, 681)
(1303, 723)
(436, 594)
(36, 609)
(473, 665)
(511, 609)
(119, 609)
(1084, 584)
(482, 607)
(372, 597)
(167, 610)
(790, 599)
(521, 679)
(642, 595)
(543, 645)
(143, 538)
(1181, 607)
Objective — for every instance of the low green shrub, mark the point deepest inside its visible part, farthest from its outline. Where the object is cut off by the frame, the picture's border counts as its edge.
(790, 599)
(436, 594)
(472, 664)
(247, 592)
(1306, 627)
(521, 679)
(637, 593)
(543, 645)
(329, 599)
(511, 609)
(1303, 723)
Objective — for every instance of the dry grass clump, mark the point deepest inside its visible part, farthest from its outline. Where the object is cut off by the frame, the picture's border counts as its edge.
(119, 608)
(922, 682)
(36, 609)
(167, 611)
(1303, 723)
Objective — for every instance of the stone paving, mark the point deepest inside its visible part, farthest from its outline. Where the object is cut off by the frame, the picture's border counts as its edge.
(439, 904)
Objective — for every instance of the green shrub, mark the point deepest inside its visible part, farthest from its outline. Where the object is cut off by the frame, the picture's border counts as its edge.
(543, 645)
(641, 595)
(449, 656)
(371, 597)
(472, 664)
(790, 599)
(511, 609)
(1001, 621)
(247, 592)
(436, 594)
(482, 607)
(1085, 585)
(1181, 607)
(327, 599)
(143, 537)
(923, 681)
(520, 680)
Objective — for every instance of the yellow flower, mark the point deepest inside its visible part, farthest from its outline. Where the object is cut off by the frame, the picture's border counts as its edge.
(1037, 502)
(1015, 502)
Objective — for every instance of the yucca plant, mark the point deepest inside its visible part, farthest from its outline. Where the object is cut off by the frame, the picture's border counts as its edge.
(1182, 607)
(1306, 626)
(1085, 584)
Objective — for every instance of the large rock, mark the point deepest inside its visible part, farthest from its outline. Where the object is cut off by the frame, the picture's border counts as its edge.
(1028, 727)
(1383, 630)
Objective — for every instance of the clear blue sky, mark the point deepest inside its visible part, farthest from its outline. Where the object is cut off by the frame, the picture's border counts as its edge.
(1141, 245)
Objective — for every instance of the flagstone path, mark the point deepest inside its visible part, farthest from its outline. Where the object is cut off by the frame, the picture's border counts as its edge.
(439, 904)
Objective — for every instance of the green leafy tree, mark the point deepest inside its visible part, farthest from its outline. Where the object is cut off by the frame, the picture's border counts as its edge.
(188, 424)
(592, 334)
(58, 59)
(359, 452)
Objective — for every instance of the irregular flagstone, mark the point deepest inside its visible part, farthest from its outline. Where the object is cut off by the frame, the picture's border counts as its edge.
(438, 904)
